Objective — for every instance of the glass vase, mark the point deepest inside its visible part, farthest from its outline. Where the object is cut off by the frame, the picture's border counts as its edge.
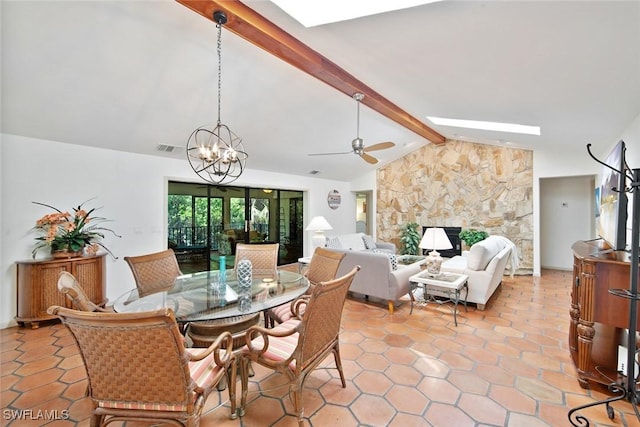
(244, 273)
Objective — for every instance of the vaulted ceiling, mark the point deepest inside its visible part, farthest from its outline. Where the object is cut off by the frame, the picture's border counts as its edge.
(130, 75)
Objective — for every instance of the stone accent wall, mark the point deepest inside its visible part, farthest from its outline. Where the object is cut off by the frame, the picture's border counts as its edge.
(460, 184)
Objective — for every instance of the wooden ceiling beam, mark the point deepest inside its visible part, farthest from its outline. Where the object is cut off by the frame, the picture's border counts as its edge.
(256, 29)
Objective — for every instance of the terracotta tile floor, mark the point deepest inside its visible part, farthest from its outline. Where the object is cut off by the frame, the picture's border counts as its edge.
(506, 366)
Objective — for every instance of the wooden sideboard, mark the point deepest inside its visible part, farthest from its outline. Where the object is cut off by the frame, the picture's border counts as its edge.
(599, 320)
(38, 285)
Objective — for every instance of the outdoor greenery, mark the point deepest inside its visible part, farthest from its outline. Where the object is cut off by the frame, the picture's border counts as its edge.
(189, 212)
(472, 236)
(410, 239)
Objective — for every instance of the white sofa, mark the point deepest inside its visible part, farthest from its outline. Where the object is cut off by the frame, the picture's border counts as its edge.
(377, 277)
(484, 263)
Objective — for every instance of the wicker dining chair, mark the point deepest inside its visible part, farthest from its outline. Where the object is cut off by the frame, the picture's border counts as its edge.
(263, 256)
(154, 272)
(296, 347)
(323, 267)
(139, 369)
(69, 285)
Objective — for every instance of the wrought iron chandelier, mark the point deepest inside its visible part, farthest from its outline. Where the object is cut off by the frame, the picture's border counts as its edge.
(216, 154)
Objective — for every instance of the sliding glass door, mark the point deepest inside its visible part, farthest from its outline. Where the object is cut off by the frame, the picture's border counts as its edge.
(206, 221)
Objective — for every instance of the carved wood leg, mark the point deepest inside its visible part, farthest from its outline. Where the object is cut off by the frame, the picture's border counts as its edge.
(586, 332)
(391, 307)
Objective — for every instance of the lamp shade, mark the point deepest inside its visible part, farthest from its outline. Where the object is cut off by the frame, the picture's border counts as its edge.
(318, 223)
(435, 238)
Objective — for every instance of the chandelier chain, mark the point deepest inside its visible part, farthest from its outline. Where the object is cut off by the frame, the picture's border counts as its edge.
(219, 48)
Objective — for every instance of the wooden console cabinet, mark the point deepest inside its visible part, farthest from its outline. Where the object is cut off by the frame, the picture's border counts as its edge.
(38, 285)
(599, 320)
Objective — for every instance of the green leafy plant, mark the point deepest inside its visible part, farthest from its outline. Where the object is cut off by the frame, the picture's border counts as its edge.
(410, 239)
(472, 236)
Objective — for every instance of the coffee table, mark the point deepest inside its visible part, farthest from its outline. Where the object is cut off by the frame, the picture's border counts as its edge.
(448, 285)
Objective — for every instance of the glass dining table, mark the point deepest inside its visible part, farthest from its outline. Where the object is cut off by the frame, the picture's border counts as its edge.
(204, 296)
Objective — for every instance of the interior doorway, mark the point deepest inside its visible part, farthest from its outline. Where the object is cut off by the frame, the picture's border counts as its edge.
(567, 214)
(363, 212)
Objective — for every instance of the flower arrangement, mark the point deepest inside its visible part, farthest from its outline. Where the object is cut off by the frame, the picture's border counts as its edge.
(64, 231)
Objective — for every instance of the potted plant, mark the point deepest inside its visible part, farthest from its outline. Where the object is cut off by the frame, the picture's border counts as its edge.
(410, 239)
(471, 236)
(70, 234)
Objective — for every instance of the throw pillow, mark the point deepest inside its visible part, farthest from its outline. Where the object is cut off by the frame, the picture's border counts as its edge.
(369, 243)
(333, 243)
(393, 259)
(481, 254)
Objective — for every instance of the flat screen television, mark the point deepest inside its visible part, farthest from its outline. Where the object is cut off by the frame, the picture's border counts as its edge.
(612, 211)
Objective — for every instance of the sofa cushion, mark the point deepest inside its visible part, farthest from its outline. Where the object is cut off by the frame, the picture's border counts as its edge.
(352, 241)
(482, 252)
(369, 243)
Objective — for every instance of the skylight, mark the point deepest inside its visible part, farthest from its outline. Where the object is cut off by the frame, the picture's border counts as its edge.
(317, 12)
(494, 126)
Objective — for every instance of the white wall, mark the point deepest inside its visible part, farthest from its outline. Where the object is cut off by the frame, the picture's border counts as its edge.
(565, 212)
(132, 191)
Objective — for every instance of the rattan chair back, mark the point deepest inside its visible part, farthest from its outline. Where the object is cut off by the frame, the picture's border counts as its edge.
(314, 337)
(320, 326)
(138, 367)
(324, 265)
(69, 285)
(154, 272)
(263, 256)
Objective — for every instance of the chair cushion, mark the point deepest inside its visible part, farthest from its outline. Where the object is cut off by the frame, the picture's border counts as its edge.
(203, 372)
(280, 348)
(282, 313)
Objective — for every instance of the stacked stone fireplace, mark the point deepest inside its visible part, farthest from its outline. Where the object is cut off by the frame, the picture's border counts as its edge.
(452, 234)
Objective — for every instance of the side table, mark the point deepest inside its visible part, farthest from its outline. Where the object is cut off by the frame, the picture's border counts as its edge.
(449, 285)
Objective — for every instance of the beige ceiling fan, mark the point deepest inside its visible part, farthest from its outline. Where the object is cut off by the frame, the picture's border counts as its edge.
(357, 145)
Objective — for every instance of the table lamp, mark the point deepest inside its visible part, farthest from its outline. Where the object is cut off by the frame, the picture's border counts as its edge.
(434, 239)
(318, 225)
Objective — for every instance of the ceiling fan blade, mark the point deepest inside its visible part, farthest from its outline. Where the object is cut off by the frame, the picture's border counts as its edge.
(379, 146)
(369, 159)
(329, 154)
